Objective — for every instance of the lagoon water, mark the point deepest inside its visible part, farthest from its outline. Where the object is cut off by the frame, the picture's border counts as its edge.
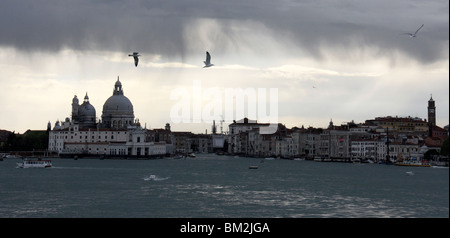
(221, 186)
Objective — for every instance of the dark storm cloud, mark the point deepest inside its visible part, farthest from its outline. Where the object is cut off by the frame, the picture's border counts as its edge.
(83, 25)
(159, 26)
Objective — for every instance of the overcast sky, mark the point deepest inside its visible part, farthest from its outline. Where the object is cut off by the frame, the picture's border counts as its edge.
(339, 60)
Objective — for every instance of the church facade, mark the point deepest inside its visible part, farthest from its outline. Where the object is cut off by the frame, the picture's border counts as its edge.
(118, 133)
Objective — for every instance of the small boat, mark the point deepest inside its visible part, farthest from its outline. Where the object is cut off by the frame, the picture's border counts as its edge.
(192, 155)
(253, 167)
(151, 177)
(410, 173)
(319, 159)
(413, 163)
(28, 163)
(179, 157)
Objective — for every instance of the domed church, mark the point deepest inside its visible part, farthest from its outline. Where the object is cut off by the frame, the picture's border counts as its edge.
(117, 110)
(116, 134)
(83, 114)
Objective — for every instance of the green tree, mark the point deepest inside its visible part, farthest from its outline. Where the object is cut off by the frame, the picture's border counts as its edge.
(444, 147)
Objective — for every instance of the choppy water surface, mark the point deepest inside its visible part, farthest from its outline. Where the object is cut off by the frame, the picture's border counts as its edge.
(221, 186)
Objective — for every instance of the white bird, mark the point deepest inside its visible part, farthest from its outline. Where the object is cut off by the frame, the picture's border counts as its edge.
(135, 56)
(415, 33)
(208, 60)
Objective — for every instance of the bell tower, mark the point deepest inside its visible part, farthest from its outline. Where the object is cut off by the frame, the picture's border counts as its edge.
(75, 107)
(431, 112)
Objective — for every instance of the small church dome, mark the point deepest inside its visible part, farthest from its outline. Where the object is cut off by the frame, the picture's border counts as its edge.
(86, 112)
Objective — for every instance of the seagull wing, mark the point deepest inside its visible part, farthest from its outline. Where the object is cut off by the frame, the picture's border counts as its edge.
(208, 58)
(418, 29)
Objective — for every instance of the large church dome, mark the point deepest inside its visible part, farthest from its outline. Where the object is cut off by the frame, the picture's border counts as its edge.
(118, 103)
(118, 109)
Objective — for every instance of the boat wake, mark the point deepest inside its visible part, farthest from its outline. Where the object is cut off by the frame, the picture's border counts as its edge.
(153, 177)
(439, 167)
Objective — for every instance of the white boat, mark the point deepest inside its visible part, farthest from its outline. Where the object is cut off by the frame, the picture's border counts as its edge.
(151, 177)
(319, 159)
(27, 163)
(413, 163)
(192, 155)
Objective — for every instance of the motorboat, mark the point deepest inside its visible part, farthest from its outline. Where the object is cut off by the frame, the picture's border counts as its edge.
(35, 163)
(413, 162)
(179, 157)
(192, 155)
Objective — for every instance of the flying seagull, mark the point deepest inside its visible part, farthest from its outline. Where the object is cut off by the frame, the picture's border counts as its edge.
(135, 56)
(208, 60)
(413, 34)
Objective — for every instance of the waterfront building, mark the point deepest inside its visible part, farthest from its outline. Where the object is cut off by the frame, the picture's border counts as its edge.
(160, 135)
(371, 148)
(401, 151)
(182, 142)
(439, 132)
(204, 143)
(294, 149)
(366, 149)
(239, 140)
(260, 145)
(310, 142)
(245, 138)
(335, 144)
(401, 124)
(117, 134)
